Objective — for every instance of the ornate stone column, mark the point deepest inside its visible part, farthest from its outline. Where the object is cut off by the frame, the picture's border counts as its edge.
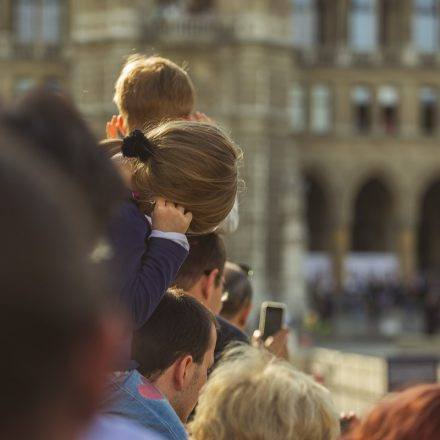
(341, 239)
(407, 249)
(409, 55)
(406, 234)
(340, 234)
(342, 16)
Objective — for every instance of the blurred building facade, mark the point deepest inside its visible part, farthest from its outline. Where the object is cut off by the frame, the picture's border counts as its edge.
(239, 56)
(335, 104)
(366, 120)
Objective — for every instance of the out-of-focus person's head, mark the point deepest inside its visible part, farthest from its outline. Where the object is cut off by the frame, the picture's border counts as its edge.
(408, 415)
(193, 164)
(252, 395)
(55, 325)
(151, 89)
(56, 130)
(175, 349)
(237, 297)
(201, 274)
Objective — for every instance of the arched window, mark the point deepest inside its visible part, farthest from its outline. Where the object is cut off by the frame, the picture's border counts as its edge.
(297, 108)
(320, 111)
(425, 26)
(388, 98)
(373, 214)
(361, 99)
(428, 110)
(317, 215)
(429, 230)
(304, 23)
(363, 26)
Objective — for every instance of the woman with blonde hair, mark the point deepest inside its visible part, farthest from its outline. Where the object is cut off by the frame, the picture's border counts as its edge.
(252, 395)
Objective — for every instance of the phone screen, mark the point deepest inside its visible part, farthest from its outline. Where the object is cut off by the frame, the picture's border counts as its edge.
(273, 321)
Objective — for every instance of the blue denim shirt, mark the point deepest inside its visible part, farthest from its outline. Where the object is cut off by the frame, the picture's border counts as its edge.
(134, 397)
(106, 427)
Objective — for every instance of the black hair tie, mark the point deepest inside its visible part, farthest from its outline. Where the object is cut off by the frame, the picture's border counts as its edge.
(137, 145)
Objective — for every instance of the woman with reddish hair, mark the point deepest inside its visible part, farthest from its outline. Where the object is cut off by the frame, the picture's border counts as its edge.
(408, 415)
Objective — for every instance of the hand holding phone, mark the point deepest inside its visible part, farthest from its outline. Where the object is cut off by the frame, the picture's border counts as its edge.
(271, 318)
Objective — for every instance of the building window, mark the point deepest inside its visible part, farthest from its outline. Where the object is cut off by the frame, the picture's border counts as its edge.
(304, 23)
(361, 99)
(320, 111)
(363, 26)
(388, 99)
(26, 21)
(23, 84)
(426, 26)
(428, 110)
(52, 83)
(51, 21)
(38, 20)
(297, 108)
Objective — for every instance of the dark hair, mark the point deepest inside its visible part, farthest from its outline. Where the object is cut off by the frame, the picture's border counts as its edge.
(180, 325)
(237, 288)
(51, 296)
(206, 253)
(56, 129)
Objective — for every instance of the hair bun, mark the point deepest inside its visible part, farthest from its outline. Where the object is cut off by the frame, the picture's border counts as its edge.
(137, 145)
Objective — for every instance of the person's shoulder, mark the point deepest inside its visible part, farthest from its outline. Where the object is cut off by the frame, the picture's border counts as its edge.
(130, 216)
(106, 427)
(231, 332)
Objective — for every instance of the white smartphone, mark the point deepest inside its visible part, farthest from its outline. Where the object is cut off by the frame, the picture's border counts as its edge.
(271, 318)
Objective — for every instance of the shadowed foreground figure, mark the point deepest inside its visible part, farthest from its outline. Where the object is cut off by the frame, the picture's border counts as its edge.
(58, 330)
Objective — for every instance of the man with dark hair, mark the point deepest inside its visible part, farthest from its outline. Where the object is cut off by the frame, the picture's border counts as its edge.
(201, 275)
(174, 350)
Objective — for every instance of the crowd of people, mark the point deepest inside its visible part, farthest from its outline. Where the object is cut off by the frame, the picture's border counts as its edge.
(372, 300)
(120, 316)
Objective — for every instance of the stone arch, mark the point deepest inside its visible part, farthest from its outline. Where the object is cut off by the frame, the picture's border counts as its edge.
(360, 176)
(429, 228)
(373, 217)
(317, 212)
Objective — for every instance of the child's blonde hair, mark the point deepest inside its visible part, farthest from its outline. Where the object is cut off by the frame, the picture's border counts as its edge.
(190, 163)
(150, 89)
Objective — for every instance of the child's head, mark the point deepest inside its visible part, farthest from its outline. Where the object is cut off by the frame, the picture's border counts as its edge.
(189, 163)
(150, 89)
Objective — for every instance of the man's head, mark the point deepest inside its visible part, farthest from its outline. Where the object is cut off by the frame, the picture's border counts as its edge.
(201, 275)
(237, 300)
(150, 89)
(175, 349)
(54, 327)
